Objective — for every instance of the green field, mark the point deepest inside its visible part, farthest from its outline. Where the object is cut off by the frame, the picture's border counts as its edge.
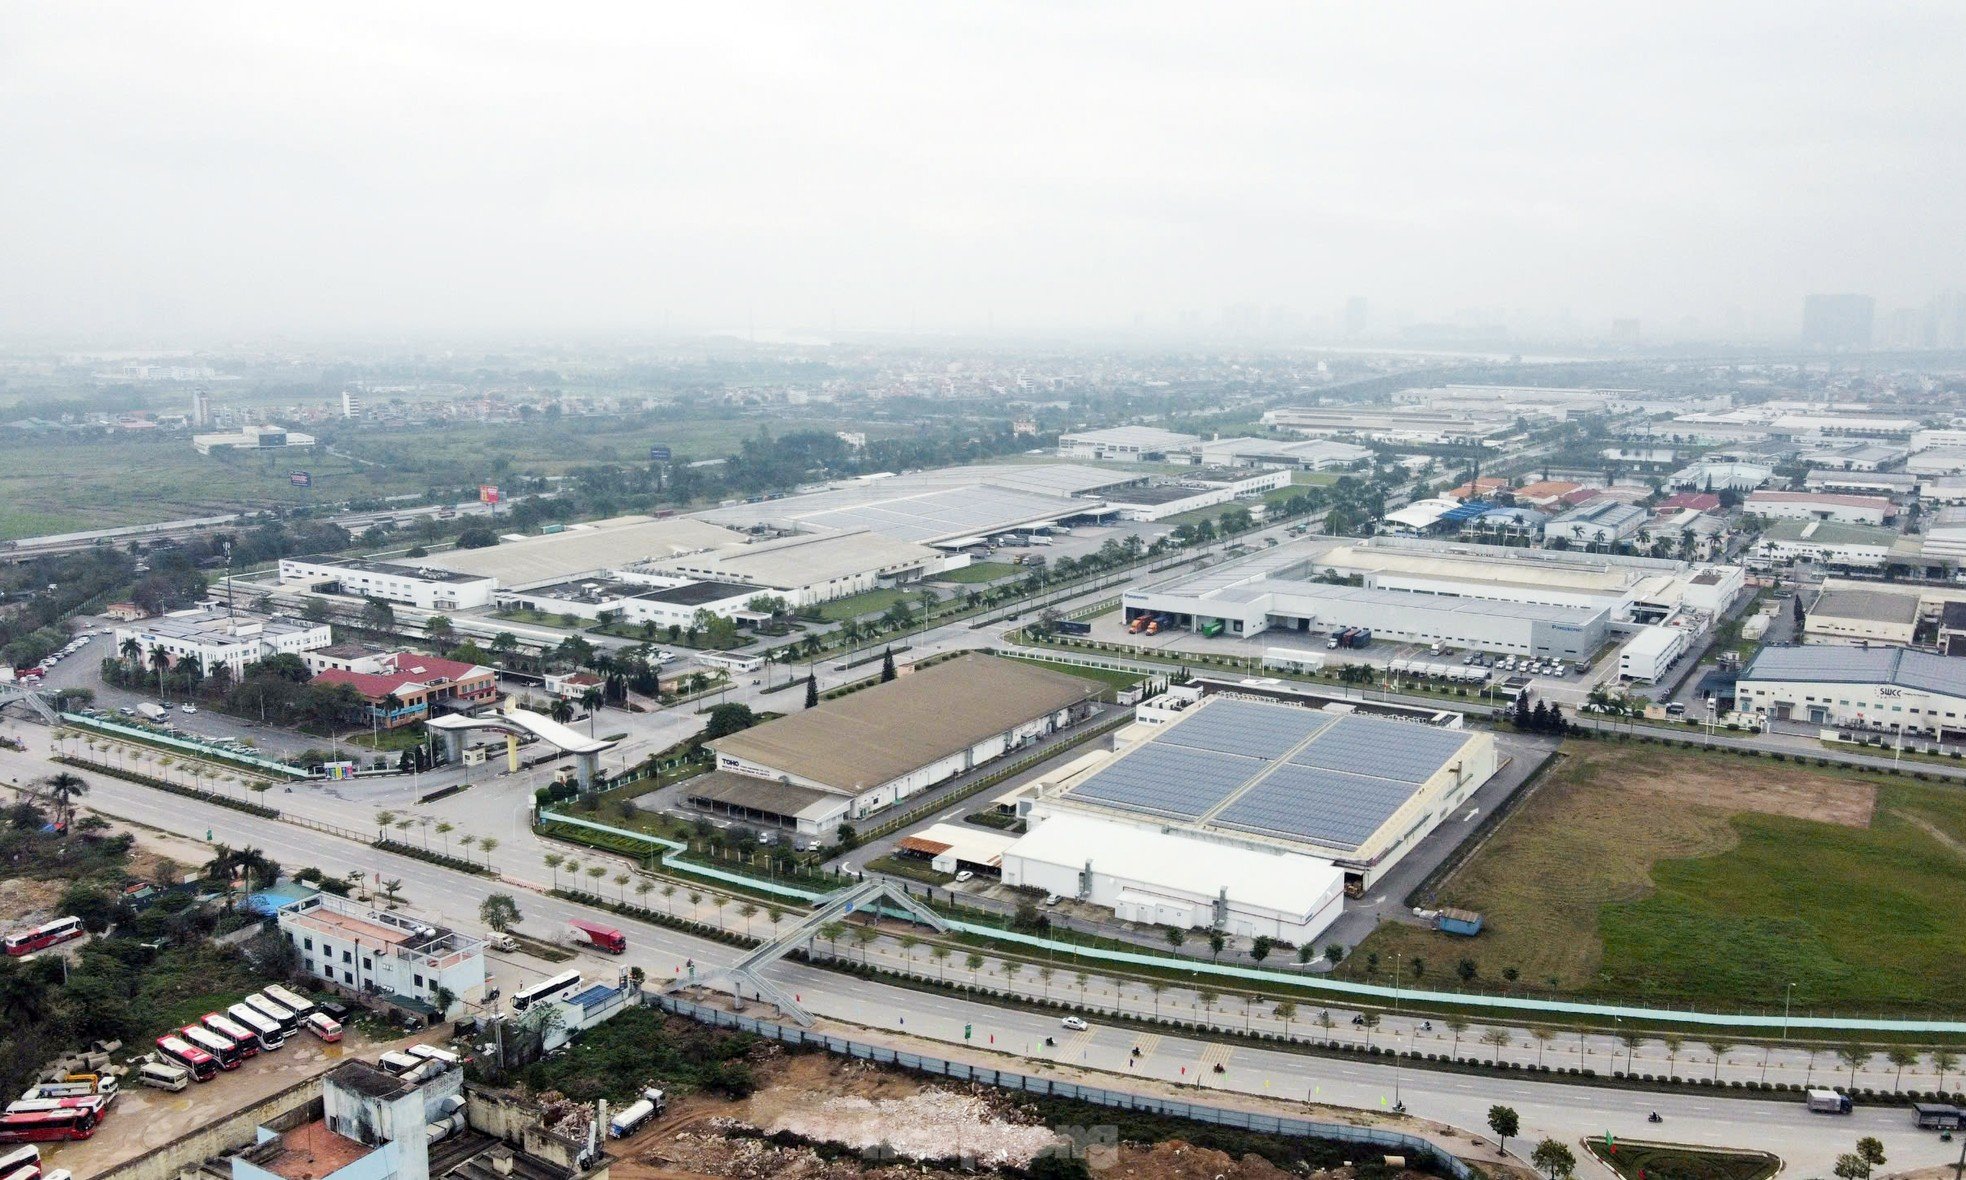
(1694, 878)
(981, 571)
(854, 606)
(50, 485)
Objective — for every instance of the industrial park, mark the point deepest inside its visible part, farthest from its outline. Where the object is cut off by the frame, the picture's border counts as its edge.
(737, 592)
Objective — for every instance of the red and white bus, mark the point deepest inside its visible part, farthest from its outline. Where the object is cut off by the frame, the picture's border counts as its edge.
(324, 1026)
(202, 1065)
(26, 942)
(20, 1163)
(232, 1030)
(93, 1102)
(46, 1126)
(223, 1048)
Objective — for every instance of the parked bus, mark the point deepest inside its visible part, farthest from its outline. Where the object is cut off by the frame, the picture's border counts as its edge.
(26, 942)
(274, 1011)
(324, 1026)
(239, 1034)
(202, 1065)
(165, 1075)
(91, 1102)
(226, 1050)
(47, 1126)
(292, 1001)
(21, 1163)
(271, 1035)
(546, 989)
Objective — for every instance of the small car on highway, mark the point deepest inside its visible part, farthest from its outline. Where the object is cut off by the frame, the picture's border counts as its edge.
(1075, 1024)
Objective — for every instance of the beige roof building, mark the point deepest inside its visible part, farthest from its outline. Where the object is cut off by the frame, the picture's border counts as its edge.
(602, 544)
(891, 740)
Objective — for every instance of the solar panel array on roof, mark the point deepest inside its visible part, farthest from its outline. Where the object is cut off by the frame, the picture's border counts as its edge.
(1244, 727)
(1168, 780)
(1327, 807)
(1398, 750)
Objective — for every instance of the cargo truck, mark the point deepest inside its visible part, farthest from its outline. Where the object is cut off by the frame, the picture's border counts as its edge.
(1829, 1102)
(152, 711)
(600, 938)
(651, 1103)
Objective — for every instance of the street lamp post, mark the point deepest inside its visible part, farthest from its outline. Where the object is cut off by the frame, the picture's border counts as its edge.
(1788, 995)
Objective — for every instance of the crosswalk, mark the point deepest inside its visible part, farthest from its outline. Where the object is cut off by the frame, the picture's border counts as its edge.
(1144, 1046)
(1213, 1054)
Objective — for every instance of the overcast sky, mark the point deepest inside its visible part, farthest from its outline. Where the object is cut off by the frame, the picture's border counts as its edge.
(217, 171)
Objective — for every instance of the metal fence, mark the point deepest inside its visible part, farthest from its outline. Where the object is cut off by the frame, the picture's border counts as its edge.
(201, 749)
(1395, 1142)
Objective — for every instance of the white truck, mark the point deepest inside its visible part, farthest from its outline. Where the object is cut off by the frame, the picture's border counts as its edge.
(651, 1103)
(1829, 1102)
(152, 711)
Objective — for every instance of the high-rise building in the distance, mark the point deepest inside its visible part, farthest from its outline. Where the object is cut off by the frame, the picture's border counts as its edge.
(351, 406)
(201, 407)
(1949, 320)
(1837, 321)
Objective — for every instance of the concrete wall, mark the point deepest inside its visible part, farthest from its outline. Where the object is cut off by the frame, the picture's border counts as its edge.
(283, 1111)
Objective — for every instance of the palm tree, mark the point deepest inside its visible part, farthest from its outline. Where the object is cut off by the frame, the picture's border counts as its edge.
(1044, 977)
(488, 843)
(974, 962)
(1457, 1026)
(1206, 997)
(940, 954)
(1853, 1056)
(591, 700)
(1543, 1037)
(383, 821)
(560, 711)
(1944, 1061)
(621, 887)
(1719, 1049)
(1674, 1043)
(1284, 1010)
(864, 935)
(62, 789)
(466, 842)
(132, 652)
(747, 911)
(668, 891)
(1900, 1056)
(831, 932)
(594, 874)
(444, 829)
(1495, 1038)
(161, 661)
(553, 861)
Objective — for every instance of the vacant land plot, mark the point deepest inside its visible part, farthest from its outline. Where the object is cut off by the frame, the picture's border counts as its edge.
(1685, 877)
(867, 602)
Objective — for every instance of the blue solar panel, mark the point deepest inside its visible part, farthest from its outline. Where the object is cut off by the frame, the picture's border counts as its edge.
(1168, 780)
(1327, 807)
(1244, 727)
(1402, 750)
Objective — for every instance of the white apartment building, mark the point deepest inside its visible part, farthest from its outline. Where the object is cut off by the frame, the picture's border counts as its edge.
(213, 639)
(378, 954)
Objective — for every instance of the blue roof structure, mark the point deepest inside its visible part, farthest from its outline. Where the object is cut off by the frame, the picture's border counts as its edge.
(592, 997)
(1466, 512)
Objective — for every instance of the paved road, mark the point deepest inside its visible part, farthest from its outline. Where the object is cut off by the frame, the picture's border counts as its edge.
(1808, 1142)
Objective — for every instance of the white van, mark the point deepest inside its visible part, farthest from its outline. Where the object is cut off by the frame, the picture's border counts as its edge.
(164, 1075)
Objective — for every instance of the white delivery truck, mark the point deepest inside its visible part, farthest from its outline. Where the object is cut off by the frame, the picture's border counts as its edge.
(651, 1103)
(152, 711)
(1829, 1102)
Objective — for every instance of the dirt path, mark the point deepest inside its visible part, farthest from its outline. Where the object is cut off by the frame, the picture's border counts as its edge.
(1933, 830)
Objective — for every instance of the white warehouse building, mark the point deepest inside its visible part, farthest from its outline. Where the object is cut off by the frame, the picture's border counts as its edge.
(1165, 879)
(1880, 687)
(1234, 775)
(1651, 653)
(424, 587)
(212, 640)
(1277, 591)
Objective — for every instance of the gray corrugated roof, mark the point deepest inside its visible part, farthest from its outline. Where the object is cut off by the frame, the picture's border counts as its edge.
(1858, 665)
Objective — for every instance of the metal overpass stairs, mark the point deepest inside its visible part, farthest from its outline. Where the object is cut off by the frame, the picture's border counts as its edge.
(867, 896)
(11, 694)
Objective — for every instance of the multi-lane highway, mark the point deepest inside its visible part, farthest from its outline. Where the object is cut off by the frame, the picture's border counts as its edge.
(1809, 1142)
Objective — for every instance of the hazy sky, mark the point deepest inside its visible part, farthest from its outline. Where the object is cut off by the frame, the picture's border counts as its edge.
(215, 170)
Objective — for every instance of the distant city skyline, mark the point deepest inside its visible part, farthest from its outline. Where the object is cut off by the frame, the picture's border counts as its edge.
(210, 172)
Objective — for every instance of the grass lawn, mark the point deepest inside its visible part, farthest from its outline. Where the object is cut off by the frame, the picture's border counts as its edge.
(406, 738)
(1695, 878)
(980, 571)
(853, 606)
(1113, 678)
(1639, 1161)
(540, 618)
(910, 867)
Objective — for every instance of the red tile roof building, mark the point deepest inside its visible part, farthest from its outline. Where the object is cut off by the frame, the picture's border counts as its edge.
(419, 683)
